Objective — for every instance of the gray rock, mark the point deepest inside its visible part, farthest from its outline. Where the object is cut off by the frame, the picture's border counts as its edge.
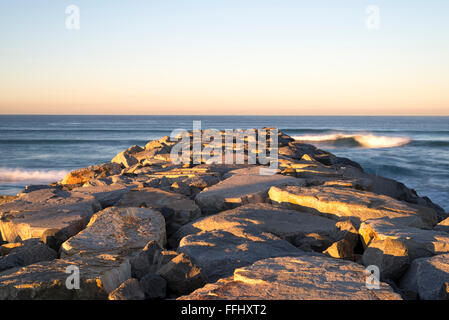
(426, 278)
(31, 215)
(289, 225)
(295, 278)
(30, 252)
(154, 286)
(419, 243)
(342, 249)
(218, 253)
(182, 275)
(356, 205)
(128, 290)
(107, 195)
(390, 256)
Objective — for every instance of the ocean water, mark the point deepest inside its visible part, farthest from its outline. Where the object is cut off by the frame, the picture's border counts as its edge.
(42, 149)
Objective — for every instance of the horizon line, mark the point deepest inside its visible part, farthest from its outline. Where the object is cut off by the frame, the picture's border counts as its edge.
(230, 115)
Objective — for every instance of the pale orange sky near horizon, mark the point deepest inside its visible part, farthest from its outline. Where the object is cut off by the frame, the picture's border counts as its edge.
(231, 58)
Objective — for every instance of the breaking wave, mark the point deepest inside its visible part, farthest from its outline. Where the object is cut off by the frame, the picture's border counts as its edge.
(355, 140)
(27, 175)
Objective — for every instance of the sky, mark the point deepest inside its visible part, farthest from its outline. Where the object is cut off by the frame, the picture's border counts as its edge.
(225, 57)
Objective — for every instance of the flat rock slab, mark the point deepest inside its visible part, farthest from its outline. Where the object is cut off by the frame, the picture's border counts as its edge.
(426, 278)
(48, 210)
(244, 186)
(354, 204)
(176, 208)
(295, 278)
(419, 243)
(218, 253)
(286, 224)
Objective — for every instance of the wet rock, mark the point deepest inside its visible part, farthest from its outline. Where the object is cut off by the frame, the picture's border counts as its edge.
(295, 278)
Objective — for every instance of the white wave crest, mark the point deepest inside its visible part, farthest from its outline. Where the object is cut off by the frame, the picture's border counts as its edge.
(27, 175)
(364, 140)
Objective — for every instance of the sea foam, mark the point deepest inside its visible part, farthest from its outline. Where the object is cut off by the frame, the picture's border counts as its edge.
(28, 175)
(355, 140)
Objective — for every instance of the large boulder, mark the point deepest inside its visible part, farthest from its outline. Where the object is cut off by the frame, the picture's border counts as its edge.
(112, 238)
(153, 286)
(241, 187)
(419, 243)
(30, 252)
(176, 208)
(390, 256)
(55, 213)
(286, 224)
(427, 278)
(219, 252)
(295, 278)
(356, 205)
(182, 275)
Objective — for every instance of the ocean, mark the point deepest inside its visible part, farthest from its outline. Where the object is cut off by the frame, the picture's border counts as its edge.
(41, 149)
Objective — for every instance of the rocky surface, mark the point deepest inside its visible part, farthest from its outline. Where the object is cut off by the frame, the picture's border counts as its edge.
(307, 230)
(295, 278)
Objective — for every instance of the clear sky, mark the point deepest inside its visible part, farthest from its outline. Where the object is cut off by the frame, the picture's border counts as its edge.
(224, 57)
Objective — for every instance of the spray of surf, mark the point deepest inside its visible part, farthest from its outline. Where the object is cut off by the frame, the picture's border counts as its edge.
(358, 140)
(32, 176)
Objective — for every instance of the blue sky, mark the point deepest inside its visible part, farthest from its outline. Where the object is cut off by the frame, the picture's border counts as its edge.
(224, 57)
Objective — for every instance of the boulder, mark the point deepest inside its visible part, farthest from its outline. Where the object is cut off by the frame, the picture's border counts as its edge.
(245, 186)
(30, 252)
(126, 158)
(295, 278)
(356, 205)
(128, 290)
(7, 247)
(82, 176)
(47, 281)
(111, 239)
(286, 224)
(443, 226)
(390, 256)
(427, 278)
(218, 252)
(176, 208)
(182, 275)
(419, 243)
(117, 231)
(6, 198)
(153, 286)
(342, 249)
(60, 214)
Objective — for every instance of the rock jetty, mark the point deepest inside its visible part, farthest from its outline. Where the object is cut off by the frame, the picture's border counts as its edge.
(146, 227)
